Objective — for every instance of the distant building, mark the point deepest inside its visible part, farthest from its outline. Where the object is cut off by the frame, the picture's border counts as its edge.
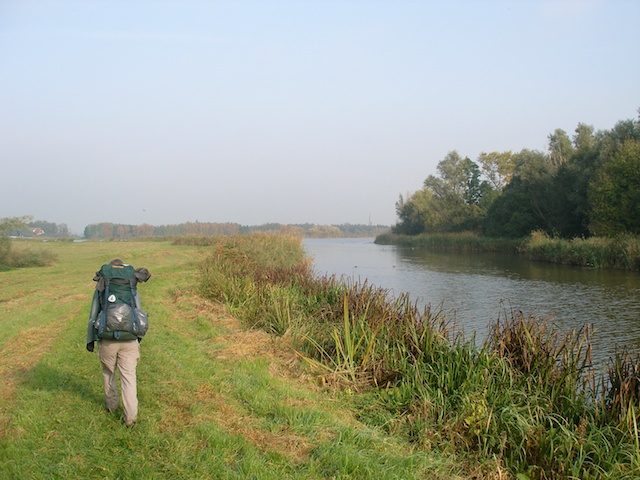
(38, 231)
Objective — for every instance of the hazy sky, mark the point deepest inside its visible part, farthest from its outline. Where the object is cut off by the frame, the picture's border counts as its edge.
(320, 111)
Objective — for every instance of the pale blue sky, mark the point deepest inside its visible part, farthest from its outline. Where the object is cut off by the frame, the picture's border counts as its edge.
(301, 111)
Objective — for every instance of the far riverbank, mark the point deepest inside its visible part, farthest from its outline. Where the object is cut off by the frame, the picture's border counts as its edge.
(620, 253)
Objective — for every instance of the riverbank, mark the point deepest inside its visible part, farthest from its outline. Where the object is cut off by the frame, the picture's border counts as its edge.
(217, 400)
(527, 403)
(345, 385)
(621, 253)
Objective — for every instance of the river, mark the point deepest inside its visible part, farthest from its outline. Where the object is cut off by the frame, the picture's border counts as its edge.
(476, 288)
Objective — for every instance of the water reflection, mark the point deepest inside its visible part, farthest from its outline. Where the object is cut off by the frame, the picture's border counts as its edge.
(476, 288)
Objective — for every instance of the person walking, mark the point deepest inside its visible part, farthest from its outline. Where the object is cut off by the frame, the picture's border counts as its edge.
(114, 322)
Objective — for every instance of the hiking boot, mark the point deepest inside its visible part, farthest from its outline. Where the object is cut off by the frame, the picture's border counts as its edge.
(110, 409)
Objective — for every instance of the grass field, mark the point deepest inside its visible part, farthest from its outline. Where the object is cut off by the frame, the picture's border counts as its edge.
(216, 400)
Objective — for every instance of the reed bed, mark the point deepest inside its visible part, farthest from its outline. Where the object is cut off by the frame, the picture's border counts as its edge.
(618, 253)
(621, 253)
(457, 242)
(528, 399)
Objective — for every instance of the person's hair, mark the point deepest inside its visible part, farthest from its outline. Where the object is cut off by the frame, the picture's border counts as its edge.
(116, 261)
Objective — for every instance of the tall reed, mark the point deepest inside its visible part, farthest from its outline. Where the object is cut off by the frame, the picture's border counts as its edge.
(622, 252)
(622, 386)
(461, 241)
(527, 397)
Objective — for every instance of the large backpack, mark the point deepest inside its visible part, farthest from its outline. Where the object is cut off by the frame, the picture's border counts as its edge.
(120, 317)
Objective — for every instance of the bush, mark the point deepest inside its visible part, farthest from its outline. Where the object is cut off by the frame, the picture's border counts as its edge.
(30, 258)
(5, 249)
(25, 257)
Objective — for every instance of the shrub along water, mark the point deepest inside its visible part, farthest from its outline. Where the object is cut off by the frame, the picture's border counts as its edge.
(527, 399)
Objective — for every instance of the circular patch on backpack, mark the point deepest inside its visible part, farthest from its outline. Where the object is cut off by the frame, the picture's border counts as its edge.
(112, 298)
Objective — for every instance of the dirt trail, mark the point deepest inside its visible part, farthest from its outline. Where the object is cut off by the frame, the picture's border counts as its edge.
(16, 358)
(21, 353)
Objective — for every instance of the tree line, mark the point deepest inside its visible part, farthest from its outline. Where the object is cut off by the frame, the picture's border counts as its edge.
(122, 231)
(24, 227)
(584, 185)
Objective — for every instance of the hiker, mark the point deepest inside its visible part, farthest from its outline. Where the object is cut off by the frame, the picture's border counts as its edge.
(118, 323)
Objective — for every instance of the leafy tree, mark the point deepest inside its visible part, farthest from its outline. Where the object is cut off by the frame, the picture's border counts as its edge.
(512, 213)
(458, 176)
(450, 202)
(416, 214)
(560, 148)
(63, 230)
(615, 193)
(552, 188)
(525, 203)
(613, 140)
(457, 194)
(452, 173)
(474, 187)
(584, 139)
(498, 167)
(569, 213)
(12, 223)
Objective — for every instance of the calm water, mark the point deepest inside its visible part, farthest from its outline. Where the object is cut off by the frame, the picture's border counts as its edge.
(476, 288)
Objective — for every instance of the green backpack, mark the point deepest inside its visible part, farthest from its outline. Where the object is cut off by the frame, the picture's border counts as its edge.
(120, 317)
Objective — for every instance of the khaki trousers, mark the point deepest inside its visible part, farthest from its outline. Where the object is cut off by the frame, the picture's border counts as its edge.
(124, 355)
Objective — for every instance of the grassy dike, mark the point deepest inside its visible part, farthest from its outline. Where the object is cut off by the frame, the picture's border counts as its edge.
(217, 400)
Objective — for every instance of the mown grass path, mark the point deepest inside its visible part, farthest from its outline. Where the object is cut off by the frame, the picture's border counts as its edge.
(216, 401)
